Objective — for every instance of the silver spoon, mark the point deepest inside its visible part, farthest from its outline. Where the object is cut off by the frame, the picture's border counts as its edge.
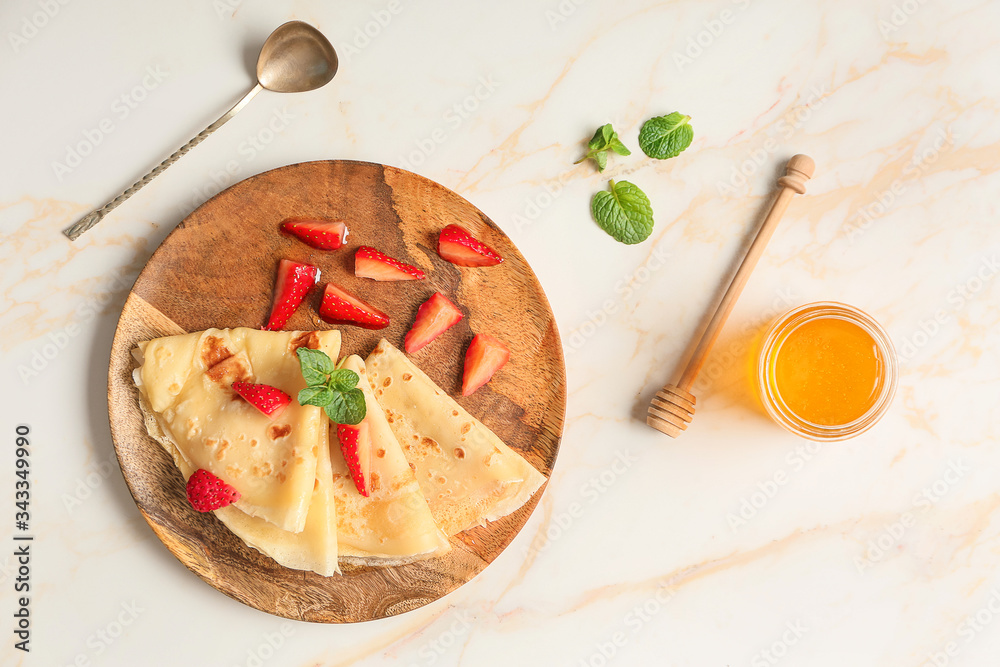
(295, 58)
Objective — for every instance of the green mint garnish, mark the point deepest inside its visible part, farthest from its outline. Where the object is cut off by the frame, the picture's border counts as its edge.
(666, 136)
(624, 212)
(605, 139)
(331, 388)
(316, 366)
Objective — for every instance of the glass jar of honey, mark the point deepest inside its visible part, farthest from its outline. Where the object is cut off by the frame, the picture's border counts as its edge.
(826, 371)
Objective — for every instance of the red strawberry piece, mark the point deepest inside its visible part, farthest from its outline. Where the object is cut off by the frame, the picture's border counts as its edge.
(290, 288)
(434, 317)
(322, 234)
(341, 307)
(357, 448)
(206, 492)
(264, 397)
(370, 263)
(485, 356)
(460, 247)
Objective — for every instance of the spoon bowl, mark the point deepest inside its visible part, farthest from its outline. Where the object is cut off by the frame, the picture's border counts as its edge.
(296, 58)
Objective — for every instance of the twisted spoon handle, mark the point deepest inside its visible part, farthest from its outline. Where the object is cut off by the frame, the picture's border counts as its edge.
(73, 232)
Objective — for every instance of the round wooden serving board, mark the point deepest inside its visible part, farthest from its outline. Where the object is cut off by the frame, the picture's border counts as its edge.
(217, 268)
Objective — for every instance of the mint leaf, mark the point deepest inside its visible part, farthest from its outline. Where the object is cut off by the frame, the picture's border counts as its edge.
(604, 139)
(315, 365)
(618, 147)
(602, 159)
(346, 407)
(624, 212)
(343, 379)
(317, 395)
(666, 136)
(312, 376)
(331, 388)
(607, 134)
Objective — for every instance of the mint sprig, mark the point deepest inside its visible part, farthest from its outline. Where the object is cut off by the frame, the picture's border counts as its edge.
(331, 388)
(624, 212)
(605, 139)
(667, 136)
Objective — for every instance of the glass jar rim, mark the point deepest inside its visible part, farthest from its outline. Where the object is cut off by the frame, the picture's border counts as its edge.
(779, 330)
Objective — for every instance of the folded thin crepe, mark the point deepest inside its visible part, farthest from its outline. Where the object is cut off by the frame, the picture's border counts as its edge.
(393, 525)
(186, 381)
(467, 474)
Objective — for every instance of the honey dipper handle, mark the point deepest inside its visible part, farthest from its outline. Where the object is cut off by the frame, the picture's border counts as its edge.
(799, 170)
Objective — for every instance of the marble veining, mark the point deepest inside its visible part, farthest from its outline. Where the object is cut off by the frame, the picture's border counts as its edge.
(737, 544)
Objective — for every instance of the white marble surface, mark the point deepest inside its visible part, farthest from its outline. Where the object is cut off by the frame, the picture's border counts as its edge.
(883, 550)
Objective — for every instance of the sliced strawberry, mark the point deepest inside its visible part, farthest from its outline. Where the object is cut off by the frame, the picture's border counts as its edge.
(460, 247)
(341, 307)
(206, 492)
(485, 356)
(264, 397)
(434, 317)
(290, 288)
(370, 263)
(322, 234)
(357, 448)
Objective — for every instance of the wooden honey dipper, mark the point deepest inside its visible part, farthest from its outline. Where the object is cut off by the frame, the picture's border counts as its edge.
(672, 409)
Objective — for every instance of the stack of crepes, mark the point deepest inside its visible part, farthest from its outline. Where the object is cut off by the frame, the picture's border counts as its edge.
(436, 470)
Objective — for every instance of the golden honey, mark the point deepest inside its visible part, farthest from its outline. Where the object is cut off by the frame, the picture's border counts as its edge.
(826, 371)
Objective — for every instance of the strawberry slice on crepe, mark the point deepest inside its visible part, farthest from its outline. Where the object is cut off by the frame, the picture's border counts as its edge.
(356, 447)
(269, 400)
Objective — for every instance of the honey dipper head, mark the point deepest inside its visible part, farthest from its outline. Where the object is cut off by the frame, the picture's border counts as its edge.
(671, 410)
